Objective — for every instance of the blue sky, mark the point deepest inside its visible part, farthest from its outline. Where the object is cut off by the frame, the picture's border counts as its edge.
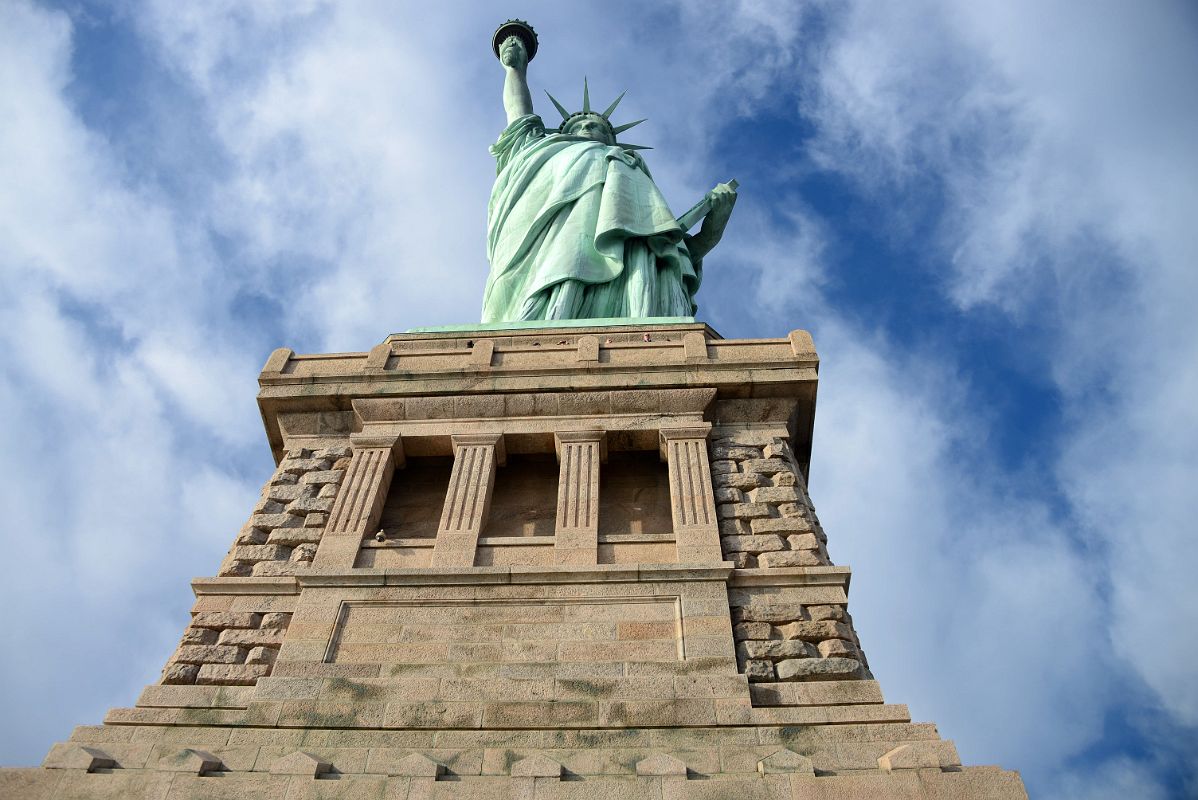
(983, 212)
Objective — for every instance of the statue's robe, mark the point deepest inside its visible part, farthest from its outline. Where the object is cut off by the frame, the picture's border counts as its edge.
(577, 229)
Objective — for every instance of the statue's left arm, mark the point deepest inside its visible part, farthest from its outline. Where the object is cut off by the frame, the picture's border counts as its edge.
(723, 198)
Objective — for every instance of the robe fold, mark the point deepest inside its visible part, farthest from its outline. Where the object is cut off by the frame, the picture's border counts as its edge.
(577, 229)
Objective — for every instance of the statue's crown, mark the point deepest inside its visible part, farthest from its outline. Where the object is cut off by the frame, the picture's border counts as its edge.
(616, 130)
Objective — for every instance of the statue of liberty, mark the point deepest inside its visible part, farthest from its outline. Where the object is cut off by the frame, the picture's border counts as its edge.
(576, 227)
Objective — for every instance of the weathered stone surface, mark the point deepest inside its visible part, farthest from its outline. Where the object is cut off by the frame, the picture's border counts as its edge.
(768, 612)
(815, 631)
(262, 655)
(296, 466)
(305, 552)
(909, 756)
(832, 648)
(300, 763)
(418, 765)
(764, 466)
(804, 668)
(268, 506)
(200, 636)
(77, 756)
(251, 637)
(820, 613)
(781, 525)
(751, 544)
(231, 674)
(308, 505)
(252, 554)
(661, 765)
(752, 630)
(226, 619)
(744, 510)
(316, 520)
(729, 495)
(743, 481)
(786, 479)
(775, 494)
(268, 522)
(790, 558)
(209, 654)
(776, 649)
(287, 493)
(786, 762)
(292, 537)
(275, 619)
(323, 477)
(759, 670)
(536, 766)
(179, 674)
(195, 762)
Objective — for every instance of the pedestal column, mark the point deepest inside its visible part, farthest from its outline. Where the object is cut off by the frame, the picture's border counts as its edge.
(468, 500)
(692, 499)
(576, 535)
(360, 501)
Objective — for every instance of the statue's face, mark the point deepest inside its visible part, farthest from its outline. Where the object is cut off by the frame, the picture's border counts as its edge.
(591, 127)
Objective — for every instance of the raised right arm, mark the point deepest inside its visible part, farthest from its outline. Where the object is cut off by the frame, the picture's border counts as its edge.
(517, 100)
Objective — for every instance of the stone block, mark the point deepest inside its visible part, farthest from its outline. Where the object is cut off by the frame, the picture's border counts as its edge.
(723, 467)
(194, 762)
(316, 520)
(251, 535)
(729, 495)
(785, 761)
(77, 756)
(789, 558)
(838, 648)
(285, 494)
(807, 668)
(802, 541)
(775, 494)
(268, 522)
(752, 630)
(293, 537)
(275, 619)
(303, 553)
(764, 466)
(776, 649)
(308, 505)
(661, 765)
(268, 506)
(296, 466)
(751, 543)
(231, 674)
(536, 766)
(200, 636)
(180, 674)
(734, 452)
(209, 654)
(323, 477)
(767, 612)
(816, 631)
(251, 637)
(781, 525)
(744, 510)
(302, 764)
(744, 481)
(910, 756)
(417, 765)
(827, 612)
(252, 554)
(786, 479)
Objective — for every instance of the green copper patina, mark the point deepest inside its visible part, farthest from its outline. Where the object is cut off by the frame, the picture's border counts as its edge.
(576, 227)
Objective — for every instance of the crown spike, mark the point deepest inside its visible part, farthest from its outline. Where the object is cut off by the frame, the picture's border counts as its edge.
(586, 96)
(614, 103)
(560, 108)
(635, 146)
(621, 128)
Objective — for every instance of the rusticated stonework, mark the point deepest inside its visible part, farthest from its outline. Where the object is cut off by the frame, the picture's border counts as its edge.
(538, 564)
